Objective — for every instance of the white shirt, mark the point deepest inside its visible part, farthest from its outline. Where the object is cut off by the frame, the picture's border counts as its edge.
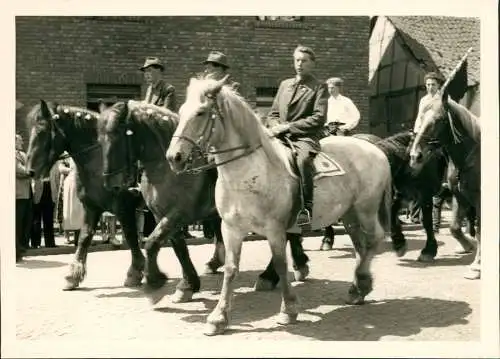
(342, 109)
(424, 101)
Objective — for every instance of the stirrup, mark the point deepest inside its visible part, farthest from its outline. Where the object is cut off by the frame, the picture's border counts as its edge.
(304, 217)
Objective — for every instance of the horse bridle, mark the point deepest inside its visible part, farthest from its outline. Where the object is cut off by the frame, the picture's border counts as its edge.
(204, 151)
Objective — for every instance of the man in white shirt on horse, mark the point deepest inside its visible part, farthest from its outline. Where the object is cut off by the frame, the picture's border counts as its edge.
(433, 83)
(341, 108)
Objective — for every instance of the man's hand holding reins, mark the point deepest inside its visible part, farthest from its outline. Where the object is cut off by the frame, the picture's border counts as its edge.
(279, 129)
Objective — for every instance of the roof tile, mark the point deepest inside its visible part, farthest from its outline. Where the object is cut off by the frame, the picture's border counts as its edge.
(441, 41)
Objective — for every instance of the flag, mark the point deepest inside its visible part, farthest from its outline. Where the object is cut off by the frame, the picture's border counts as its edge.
(458, 85)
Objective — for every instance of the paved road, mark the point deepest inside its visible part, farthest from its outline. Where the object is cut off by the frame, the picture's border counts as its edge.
(410, 301)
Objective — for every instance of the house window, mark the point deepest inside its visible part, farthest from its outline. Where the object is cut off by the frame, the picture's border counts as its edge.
(111, 94)
(264, 101)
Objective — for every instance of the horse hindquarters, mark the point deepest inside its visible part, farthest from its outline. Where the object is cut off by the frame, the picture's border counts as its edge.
(363, 198)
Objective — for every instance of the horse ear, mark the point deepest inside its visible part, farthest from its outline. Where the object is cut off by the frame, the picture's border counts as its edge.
(218, 86)
(444, 96)
(44, 109)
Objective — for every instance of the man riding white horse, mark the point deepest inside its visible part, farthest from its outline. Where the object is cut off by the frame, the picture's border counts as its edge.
(299, 112)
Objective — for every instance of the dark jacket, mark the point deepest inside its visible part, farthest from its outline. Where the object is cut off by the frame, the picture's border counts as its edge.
(162, 94)
(304, 110)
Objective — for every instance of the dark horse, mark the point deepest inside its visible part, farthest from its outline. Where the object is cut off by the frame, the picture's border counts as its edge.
(136, 131)
(459, 132)
(55, 129)
(419, 184)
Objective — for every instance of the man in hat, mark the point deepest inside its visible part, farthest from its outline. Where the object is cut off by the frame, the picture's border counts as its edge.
(159, 92)
(340, 107)
(299, 110)
(216, 67)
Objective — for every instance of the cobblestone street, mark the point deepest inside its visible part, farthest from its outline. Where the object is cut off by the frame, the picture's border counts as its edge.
(410, 301)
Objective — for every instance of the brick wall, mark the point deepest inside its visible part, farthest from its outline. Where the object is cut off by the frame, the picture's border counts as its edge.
(58, 56)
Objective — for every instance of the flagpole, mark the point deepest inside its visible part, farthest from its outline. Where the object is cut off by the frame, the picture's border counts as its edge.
(456, 69)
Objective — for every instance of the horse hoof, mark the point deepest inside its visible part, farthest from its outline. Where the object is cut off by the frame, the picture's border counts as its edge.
(71, 285)
(212, 329)
(355, 299)
(400, 252)
(209, 269)
(425, 258)
(472, 274)
(464, 250)
(287, 318)
(326, 246)
(301, 273)
(115, 243)
(264, 285)
(154, 296)
(182, 296)
(132, 282)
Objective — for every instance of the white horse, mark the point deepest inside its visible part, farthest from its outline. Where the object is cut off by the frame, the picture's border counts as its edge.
(258, 191)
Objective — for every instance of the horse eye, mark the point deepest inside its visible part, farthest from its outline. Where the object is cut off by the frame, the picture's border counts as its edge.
(200, 113)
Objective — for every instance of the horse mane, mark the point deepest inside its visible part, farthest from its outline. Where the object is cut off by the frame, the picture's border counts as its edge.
(66, 113)
(469, 121)
(80, 116)
(154, 117)
(396, 144)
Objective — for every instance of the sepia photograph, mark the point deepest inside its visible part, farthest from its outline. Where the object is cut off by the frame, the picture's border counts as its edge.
(254, 178)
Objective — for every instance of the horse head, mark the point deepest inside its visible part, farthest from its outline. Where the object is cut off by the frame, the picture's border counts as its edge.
(200, 123)
(115, 135)
(436, 123)
(131, 132)
(51, 125)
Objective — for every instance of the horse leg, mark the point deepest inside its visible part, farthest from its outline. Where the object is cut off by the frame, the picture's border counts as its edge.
(269, 279)
(300, 259)
(155, 279)
(399, 244)
(429, 252)
(459, 208)
(218, 320)
(217, 259)
(190, 282)
(471, 221)
(288, 311)
(366, 233)
(474, 271)
(126, 216)
(328, 239)
(78, 269)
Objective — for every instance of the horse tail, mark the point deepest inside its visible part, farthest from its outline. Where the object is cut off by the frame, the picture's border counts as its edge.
(385, 209)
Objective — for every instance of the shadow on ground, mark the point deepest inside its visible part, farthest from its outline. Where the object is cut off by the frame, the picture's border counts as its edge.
(439, 261)
(372, 321)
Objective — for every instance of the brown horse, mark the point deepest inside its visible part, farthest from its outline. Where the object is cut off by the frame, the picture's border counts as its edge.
(458, 131)
(57, 128)
(136, 131)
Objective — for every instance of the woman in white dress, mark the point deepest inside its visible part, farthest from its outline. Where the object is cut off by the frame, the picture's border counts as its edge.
(73, 213)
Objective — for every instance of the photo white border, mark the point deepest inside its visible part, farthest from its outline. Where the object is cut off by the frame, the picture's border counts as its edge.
(489, 344)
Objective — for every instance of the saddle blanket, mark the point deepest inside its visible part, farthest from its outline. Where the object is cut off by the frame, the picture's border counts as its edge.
(325, 166)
